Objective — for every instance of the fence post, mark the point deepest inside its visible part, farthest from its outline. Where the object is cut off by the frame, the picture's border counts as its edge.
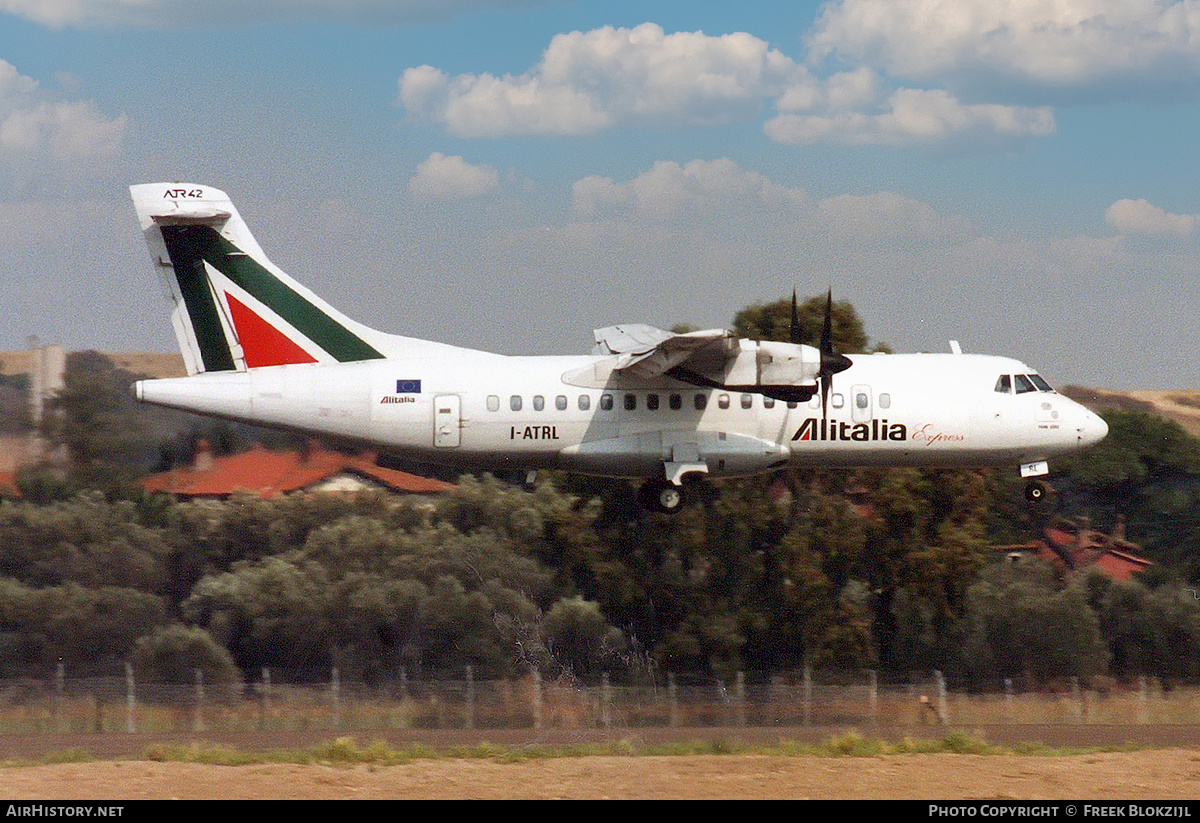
(1143, 701)
(605, 702)
(941, 697)
(1008, 699)
(198, 717)
(537, 699)
(266, 696)
(130, 704)
(469, 720)
(60, 683)
(806, 689)
(873, 696)
(672, 700)
(739, 693)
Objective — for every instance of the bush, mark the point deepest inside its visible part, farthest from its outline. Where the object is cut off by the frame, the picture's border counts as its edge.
(172, 654)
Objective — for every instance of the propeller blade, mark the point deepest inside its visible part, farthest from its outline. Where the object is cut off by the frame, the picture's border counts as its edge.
(827, 326)
(794, 331)
(831, 361)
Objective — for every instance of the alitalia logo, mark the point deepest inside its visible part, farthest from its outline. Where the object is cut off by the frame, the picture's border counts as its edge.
(815, 429)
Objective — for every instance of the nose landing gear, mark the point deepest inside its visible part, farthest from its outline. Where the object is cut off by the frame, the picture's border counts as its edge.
(1037, 490)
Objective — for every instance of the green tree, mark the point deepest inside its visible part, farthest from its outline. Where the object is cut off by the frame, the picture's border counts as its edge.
(1147, 471)
(174, 653)
(94, 418)
(90, 630)
(1019, 623)
(772, 321)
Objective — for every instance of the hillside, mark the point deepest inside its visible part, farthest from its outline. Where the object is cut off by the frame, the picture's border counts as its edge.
(150, 364)
(1180, 405)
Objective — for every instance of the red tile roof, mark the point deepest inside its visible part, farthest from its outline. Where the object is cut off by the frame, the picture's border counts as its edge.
(273, 473)
(1069, 548)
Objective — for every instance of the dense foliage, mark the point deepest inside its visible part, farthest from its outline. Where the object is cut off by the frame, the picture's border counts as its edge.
(892, 570)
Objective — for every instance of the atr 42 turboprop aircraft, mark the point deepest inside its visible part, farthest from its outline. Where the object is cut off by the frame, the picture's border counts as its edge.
(647, 403)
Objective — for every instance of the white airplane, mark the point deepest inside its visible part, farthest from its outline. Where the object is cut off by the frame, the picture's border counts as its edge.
(647, 403)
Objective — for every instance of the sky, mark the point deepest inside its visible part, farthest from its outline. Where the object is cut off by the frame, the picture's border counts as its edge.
(1017, 175)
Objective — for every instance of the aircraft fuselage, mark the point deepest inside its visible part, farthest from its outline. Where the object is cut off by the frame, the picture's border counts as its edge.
(575, 412)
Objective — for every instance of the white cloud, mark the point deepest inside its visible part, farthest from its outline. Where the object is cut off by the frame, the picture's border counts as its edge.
(451, 178)
(1060, 43)
(589, 81)
(669, 191)
(33, 127)
(718, 197)
(1140, 217)
(888, 215)
(910, 117)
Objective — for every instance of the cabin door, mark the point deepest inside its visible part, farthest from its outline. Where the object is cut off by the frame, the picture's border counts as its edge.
(447, 421)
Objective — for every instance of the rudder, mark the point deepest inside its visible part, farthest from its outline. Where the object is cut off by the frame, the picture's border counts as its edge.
(232, 308)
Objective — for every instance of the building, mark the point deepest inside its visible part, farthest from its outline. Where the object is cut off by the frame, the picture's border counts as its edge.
(1072, 547)
(270, 474)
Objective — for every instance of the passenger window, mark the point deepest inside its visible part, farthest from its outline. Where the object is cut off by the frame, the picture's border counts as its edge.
(723, 401)
(1024, 384)
(861, 400)
(1004, 384)
(768, 402)
(493, 402)
(676, 402)
(539, 402)
(885, 401)
(701, 401)
(630, 402)
(606, 402)
(585, 402)
(747, 401)
(838, 400)
(560, 402)
(652, 402)
(514, 402)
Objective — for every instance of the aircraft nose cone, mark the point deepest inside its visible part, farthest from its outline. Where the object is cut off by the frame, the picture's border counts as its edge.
(1092, 429)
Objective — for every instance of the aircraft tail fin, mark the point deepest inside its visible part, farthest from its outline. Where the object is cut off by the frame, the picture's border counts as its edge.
(232, 308)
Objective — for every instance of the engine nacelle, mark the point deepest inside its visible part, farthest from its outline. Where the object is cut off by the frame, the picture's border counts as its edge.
(783, 371)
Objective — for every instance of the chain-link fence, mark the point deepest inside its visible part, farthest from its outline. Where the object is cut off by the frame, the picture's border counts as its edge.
(276, 702)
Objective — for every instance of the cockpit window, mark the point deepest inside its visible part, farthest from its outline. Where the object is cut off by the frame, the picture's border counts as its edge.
(1023, 383)
(1040, 383)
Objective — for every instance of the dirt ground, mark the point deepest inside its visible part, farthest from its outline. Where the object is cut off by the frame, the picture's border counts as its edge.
(1154, 775)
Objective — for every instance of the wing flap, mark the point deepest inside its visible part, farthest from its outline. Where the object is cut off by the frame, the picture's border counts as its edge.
(645, 351)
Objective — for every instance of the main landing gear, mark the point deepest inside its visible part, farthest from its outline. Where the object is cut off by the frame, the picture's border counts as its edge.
(661, 496)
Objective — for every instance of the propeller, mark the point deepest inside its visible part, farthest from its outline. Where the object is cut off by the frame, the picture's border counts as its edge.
(831, 361)
(796, 337)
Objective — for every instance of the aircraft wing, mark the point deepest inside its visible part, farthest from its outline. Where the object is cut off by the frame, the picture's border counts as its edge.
(645, 351)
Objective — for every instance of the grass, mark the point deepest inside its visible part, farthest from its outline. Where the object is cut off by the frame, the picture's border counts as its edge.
(347, 752)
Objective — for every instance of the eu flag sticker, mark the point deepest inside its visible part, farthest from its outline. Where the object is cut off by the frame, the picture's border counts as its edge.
(408, 387)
